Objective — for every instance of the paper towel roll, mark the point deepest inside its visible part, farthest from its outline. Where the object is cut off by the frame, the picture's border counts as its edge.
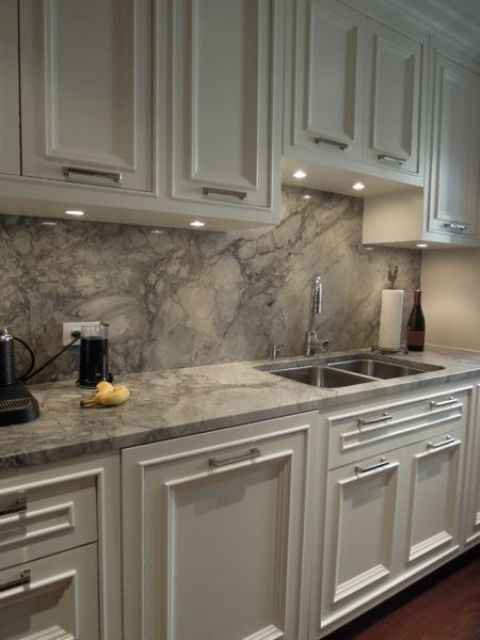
(391, 319)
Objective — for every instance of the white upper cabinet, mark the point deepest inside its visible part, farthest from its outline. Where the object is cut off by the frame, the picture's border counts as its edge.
(394, 63)
(326, 85)
(224, 112)
(86, 91)
(455, 168)
(9, 111)
(354, 97)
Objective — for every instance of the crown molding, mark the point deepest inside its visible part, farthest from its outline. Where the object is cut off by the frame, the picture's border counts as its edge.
(446, 18)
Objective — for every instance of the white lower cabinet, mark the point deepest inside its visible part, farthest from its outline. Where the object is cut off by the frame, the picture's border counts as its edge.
(214, 532)
(55, 598)
(393, 500)
(60, 566)
(471, 517)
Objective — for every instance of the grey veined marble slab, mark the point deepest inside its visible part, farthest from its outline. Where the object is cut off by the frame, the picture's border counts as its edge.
(181, 402)
(182, 298)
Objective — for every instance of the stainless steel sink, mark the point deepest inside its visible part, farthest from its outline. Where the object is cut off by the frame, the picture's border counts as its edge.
(379, 368)
(325, 377)
(343, 373)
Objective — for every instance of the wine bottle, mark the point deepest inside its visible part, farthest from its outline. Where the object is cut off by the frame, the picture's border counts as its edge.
(416, 325)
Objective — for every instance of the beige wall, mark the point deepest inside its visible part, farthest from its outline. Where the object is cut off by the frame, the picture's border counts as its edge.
(451, 285)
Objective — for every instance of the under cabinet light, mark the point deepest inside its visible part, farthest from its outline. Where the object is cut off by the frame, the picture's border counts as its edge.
(422, 245)
(358, 186)
(197, 223)
(49, 223)
(299, 174)
(74, 212)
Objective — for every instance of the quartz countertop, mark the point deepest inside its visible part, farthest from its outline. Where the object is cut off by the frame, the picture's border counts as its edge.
(175, 403)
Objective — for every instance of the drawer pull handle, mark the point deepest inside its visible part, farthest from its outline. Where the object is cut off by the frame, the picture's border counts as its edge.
(378, 465)
(366, 421)
(446, 442)
(443, 403)
(70, 172)
(17, 505)
(455, 226)
(334, 143)
(384, 157)
(241, 195)
(23, 580)
(250, 455)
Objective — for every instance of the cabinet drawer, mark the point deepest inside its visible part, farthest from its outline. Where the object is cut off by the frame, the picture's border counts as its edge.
(378, 428)
(54, 598)
(43, 517)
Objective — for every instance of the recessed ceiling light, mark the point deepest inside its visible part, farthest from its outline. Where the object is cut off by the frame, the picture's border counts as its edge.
(299, 174)
(197, 223)
(49, 223)
(422, 245)
(74, 212)
(307, 196)
(358, 186)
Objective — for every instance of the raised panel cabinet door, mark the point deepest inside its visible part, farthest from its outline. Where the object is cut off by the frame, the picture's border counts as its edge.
(393, 99)
(330, 44)
(472, 500)
(55, 598)
(435, 472)
(217, 551)
(455, 171)
(223, 113)
(86, 91)
(359, 533)
(9, 96)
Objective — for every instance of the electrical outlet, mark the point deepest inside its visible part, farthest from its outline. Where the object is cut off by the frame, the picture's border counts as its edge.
(69, 327)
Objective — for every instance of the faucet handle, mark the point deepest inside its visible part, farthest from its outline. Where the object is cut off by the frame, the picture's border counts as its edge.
(275, 350)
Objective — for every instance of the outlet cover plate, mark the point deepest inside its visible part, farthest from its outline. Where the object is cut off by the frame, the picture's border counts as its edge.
(69, 327)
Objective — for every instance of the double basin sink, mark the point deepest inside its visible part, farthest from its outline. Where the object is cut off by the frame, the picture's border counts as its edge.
(349, 371)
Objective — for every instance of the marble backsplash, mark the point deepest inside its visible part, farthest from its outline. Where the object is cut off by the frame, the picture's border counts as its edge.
(178, 298)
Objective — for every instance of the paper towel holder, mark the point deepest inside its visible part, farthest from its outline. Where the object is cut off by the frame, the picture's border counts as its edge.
(375, 348)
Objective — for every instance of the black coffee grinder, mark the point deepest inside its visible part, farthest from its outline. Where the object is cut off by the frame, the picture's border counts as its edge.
(17, 404)
(94, 355)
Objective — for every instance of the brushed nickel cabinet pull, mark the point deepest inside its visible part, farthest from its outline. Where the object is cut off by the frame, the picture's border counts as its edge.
(384, 157)
(22, 580)
(334, 143)
(366, 421)
(378, 465)
(15, 505)
(112, 176)
(456, 226)
(241, 195)
(443, 403)
(250, 455)
(446, 442)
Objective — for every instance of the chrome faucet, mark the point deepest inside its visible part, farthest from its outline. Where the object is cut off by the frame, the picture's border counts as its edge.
(312, 341)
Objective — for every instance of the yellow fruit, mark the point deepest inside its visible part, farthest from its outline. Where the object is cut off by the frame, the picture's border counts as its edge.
(119, 395)
(107, 395)
(104, 387)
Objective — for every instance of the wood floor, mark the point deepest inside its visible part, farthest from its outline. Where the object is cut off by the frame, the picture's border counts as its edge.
(445, 606)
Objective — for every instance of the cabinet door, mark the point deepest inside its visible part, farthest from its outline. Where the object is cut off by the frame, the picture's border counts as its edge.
(359, 534)
(330, 44)
(394, 63)
(435, 474)
(86, 91)
(223, 112)
(472, 484)
(9, 112)
(55, 598)
(213, 537)
(455, 172)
